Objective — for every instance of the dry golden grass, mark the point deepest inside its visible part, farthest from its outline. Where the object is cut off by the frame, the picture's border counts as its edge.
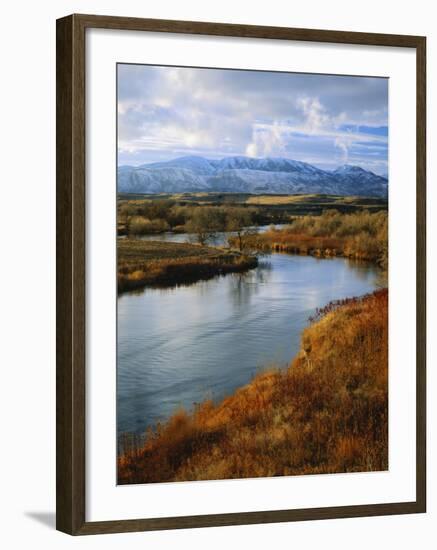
(142, 263)
(312, 199)
(278, 199)
(362, 236)
(327, 413)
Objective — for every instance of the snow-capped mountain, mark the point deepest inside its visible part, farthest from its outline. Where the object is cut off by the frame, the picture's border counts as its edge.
(351, 177)
(241, 174)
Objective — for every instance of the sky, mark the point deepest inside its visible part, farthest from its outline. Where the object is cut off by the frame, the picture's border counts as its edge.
(325, 120)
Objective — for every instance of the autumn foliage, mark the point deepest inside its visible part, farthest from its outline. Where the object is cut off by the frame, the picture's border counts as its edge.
(326, 413)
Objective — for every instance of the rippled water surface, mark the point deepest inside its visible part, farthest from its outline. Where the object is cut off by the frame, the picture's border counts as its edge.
(178, 346)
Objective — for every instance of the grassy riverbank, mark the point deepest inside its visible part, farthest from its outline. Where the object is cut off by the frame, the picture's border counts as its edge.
(362, 236)
(327, 413)
(142, 263)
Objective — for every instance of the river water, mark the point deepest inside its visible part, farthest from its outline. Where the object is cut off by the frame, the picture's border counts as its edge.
(181, 345)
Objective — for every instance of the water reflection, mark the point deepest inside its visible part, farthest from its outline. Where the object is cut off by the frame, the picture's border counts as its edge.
(243, 286)
(179, 345)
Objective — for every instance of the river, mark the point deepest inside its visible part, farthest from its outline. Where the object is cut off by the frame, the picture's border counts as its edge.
(181, 345)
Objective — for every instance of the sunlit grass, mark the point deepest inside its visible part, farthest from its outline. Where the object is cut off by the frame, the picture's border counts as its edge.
(142, 263)
(361, 235)
(327, 413)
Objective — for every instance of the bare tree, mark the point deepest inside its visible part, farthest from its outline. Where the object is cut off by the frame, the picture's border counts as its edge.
(205, 223)
(238, 221)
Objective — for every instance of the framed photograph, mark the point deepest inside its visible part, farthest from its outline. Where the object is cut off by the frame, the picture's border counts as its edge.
(240, 274)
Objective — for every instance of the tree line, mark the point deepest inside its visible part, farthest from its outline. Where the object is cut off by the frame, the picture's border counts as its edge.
(203, 222)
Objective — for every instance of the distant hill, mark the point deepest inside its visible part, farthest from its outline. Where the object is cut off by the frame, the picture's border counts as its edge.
(248, 175)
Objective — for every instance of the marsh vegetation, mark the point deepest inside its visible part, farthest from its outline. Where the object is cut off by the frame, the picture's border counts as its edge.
(142, 263)
(362, 236)
(152, 214)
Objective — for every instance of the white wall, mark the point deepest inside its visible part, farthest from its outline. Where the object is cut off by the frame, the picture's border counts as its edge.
(27, 134)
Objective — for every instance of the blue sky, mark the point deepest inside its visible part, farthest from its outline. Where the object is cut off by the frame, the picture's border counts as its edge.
(168, 112)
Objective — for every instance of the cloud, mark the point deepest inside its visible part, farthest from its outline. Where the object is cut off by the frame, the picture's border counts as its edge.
(164, 112)
(344, 142)
(316, 117)
(266, 140)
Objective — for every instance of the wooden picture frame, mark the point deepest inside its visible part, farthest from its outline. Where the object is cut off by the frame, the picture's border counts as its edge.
(71, 248)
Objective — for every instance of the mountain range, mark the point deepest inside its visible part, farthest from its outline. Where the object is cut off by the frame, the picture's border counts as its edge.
(242, 174)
